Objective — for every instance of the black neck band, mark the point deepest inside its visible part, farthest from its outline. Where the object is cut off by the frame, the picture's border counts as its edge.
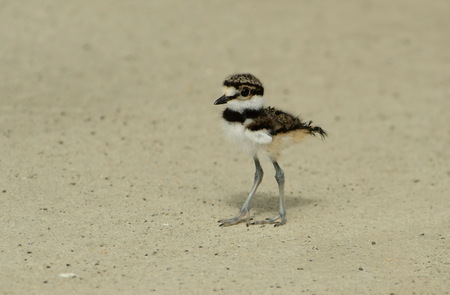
(233, 116)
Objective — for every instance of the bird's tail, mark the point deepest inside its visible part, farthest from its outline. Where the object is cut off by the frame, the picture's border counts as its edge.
(313, 130)
(294, 136)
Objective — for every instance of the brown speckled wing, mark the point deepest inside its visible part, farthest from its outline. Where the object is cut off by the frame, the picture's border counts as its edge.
(276, 121)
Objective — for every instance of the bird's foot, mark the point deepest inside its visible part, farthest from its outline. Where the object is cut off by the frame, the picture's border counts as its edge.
(241, 217)
(278, 220)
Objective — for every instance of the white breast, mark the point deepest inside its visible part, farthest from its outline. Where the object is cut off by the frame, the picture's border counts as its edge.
(250, 141)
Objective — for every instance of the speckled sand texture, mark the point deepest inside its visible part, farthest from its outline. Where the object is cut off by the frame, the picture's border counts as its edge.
(114, 169)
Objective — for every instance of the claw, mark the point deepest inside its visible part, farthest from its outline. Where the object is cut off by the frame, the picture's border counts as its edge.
(274, 221)
(228, 222)
(241, 217)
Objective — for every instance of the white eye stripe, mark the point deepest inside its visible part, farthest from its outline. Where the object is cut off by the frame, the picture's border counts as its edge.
(229, 91)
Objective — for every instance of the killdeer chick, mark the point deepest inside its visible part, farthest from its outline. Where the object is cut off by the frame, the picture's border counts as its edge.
(259, 129)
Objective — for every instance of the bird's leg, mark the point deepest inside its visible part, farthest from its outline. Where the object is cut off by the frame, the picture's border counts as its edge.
(259, 173)
(279, 176)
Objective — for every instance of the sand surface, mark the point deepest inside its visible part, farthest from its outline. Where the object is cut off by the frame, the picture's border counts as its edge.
(114, 169)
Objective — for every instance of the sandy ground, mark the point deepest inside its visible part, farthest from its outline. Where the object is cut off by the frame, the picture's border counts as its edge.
(114, 167)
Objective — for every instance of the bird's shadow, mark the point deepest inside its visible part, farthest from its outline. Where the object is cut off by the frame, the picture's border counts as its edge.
(266, 202)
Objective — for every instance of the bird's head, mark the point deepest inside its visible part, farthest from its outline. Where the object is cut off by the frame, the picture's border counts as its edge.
(241, 92)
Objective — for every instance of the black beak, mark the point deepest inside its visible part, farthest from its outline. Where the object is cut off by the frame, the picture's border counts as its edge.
(223, 99)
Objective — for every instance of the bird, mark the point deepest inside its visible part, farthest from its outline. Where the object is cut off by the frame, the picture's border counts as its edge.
(259, 130)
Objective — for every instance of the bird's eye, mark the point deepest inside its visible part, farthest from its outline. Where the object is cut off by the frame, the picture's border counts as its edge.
(245, 92)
